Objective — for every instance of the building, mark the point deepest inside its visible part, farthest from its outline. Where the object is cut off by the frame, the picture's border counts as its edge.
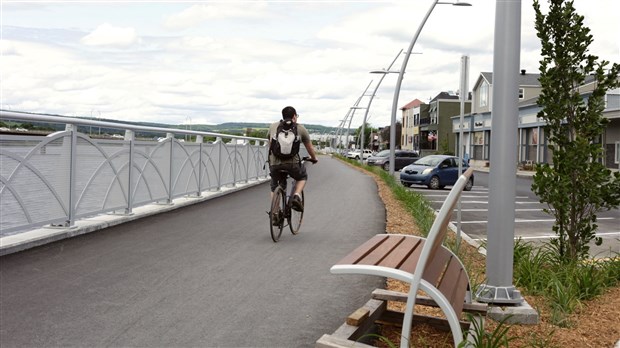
(435, 123)
(410, 114)
(532, 144)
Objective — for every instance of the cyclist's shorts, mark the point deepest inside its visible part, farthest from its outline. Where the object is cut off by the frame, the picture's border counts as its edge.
(295, 170)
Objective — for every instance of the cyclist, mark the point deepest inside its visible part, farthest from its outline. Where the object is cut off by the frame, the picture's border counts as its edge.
(291, 162)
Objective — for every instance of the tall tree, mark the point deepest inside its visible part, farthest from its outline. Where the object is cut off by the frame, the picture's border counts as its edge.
(577, 186)
(367, 132)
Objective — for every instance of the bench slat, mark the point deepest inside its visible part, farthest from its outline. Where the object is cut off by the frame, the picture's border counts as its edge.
(411, 262)
(398, 259)
(363, 250)
(454, 285)
(388, 246)
(436, 266)
(389, 295)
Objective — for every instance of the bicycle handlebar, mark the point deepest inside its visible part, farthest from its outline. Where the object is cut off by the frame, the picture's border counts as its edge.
(308, 159)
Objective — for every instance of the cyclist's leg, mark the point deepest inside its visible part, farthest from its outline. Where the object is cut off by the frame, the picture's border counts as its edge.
(298, 172)
(276, 178)
(299, 186)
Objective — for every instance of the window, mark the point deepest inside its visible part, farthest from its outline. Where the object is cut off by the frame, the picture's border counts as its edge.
(617, 156)
(484, 94)
(478, 138)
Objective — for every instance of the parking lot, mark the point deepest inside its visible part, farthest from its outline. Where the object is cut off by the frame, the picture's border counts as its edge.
(531, 223)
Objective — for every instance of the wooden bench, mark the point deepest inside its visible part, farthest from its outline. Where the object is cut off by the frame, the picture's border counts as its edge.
(424, 263)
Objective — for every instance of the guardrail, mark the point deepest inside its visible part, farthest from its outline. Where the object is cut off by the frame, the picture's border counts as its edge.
(67, 175)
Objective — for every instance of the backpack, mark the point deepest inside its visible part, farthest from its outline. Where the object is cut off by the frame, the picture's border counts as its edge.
(285, 143)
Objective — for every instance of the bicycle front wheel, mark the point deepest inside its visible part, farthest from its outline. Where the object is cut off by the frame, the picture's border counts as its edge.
(295, 218)
(276, 215)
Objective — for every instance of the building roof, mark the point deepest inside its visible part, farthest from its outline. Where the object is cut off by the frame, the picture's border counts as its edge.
(525, 79)
(529, 80)
(445, 95)
(412, 104)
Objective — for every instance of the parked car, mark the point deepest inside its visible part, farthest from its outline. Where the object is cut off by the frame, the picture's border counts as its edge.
(401, 159)
(356, 154)
(434, 171)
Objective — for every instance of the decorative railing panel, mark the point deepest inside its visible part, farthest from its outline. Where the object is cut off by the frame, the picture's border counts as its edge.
(65, 176)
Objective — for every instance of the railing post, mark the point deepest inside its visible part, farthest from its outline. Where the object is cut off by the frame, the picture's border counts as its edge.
(199, 140)
(170, 191)
(247, 162)
(235, 164)
(219, 142)
(72, 175)
(130, 136)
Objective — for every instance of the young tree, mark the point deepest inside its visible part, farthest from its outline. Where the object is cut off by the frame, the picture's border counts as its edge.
(367, 132)
(577, 185)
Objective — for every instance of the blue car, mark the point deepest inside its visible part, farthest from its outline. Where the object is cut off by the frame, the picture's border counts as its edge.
(434, 171)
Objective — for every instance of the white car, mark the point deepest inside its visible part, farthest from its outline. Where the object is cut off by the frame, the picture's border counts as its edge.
(357, 154)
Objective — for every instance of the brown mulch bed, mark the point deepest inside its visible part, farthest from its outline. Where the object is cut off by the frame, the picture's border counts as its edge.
(597, 323)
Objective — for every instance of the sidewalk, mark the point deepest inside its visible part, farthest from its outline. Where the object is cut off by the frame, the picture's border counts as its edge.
(520, 172)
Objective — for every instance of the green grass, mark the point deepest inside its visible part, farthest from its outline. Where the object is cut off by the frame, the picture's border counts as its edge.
(413, 202)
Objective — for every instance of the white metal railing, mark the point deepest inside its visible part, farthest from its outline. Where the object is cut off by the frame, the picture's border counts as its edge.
(66, 176)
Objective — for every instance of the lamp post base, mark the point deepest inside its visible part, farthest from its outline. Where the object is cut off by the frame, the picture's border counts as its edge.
(499, 294)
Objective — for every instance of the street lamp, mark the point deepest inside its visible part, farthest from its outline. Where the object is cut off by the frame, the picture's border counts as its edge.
(353, 108)
(351, 112)
(372, 96)
(404, 340)
(400, 79)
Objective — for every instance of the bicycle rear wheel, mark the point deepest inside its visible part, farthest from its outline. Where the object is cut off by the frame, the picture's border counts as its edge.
(295, 218)
(276, 214)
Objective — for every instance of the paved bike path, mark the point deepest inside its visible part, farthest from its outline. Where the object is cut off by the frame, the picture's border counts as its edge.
(207, 275)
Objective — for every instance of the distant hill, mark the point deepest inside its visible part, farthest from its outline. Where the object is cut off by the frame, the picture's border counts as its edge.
(238, 128)
(229, 127)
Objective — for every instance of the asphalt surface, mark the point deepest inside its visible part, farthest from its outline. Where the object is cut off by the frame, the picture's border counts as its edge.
(532, 225)
(207, 275)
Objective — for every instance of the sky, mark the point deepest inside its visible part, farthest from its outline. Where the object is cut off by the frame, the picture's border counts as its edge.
(210, 62)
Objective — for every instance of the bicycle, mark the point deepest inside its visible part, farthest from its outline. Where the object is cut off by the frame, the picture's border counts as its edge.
(281, 210)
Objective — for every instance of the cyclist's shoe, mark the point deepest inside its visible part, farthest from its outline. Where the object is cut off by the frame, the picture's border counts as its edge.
(296, 203)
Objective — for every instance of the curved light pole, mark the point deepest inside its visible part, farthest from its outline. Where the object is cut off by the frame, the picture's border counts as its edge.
(406, 333)
(356, 107)
(400, 78)
(340, 128)
(372, 96)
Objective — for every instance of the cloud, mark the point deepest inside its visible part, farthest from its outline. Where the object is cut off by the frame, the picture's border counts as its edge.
(197, 14)
(247, 60)
(108, 35)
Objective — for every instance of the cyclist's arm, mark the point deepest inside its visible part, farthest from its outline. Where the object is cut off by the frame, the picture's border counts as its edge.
(305, 139)
(311, 152)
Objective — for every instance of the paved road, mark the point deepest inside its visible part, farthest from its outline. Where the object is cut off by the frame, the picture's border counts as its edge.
(531, 223)
(203, 276)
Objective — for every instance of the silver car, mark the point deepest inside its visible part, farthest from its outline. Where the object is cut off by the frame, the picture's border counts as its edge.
(402, 158)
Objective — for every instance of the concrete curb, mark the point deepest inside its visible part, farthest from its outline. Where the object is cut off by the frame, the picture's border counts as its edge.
(26, 240)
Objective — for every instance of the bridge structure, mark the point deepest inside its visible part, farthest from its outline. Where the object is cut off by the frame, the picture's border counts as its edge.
(180, 253)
